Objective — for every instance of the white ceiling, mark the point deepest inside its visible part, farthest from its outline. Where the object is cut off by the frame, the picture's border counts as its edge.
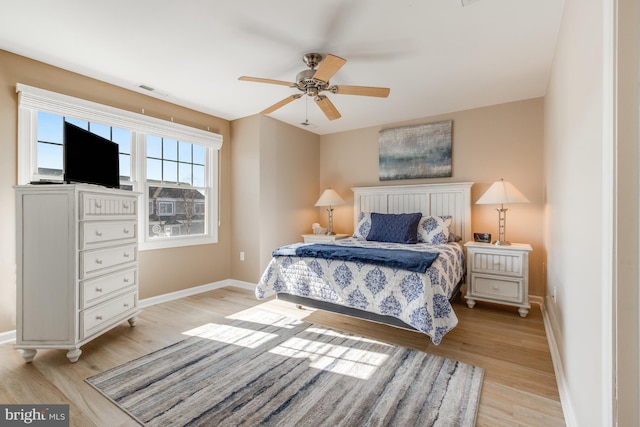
(436, 55)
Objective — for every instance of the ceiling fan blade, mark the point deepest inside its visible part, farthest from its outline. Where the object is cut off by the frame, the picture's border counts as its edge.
(380, 92)
(328, 108)
(328, 67)
(280, 104)
(261, 80)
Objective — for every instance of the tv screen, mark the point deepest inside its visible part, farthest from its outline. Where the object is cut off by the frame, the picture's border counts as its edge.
(89, 158)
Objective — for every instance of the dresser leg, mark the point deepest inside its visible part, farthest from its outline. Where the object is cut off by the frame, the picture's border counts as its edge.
(133, 321)
(29, 354)
(74, 355)
(471, 303)
(523, 311)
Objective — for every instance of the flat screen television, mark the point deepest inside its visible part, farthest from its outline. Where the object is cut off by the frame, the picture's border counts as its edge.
(90, 158)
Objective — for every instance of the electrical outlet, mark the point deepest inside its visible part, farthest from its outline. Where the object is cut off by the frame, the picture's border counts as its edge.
(241, 256)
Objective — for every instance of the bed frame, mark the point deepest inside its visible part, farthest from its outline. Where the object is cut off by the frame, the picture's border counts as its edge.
(430, 199)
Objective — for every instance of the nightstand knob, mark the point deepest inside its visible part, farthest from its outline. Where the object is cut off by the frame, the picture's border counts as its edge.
(495, 287)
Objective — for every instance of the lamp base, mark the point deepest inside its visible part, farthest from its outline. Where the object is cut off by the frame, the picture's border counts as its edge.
(501, 243)
(330, 233)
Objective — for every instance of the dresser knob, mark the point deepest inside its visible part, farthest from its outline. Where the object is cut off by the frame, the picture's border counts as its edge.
(98, 289)
(126, 305)
(495, 288)
(98, 261)
(98, 233)
(126, 255)
(98, 317)
(98, 205)
(125, 205)
(125, 231)
(125, 280)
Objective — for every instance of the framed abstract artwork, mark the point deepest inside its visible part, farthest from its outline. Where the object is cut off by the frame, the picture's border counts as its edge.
(420, 151)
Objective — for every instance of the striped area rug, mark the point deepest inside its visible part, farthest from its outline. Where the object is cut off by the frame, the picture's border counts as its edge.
(268, 370)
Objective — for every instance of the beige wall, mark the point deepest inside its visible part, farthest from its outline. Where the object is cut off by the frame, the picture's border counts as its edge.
(275, 173)
(502, 141)
(245, 198)
(161, 271)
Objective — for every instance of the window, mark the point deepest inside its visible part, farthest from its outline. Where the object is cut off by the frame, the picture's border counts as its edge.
(173, 167)
(49, 152)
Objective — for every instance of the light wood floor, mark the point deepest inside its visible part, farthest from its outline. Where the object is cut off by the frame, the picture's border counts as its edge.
(519, 385)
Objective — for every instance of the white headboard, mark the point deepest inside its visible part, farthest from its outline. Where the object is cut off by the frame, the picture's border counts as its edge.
(431, 199)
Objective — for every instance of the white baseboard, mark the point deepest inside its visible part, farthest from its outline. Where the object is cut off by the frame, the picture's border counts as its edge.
(147, 302)
(8, 337)
(535, 299)
(558, 367)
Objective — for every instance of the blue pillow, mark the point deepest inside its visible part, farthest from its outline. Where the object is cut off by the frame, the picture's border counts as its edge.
(394, 228)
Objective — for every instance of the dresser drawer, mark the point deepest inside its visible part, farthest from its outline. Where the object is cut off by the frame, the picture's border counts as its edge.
(104, 287)
(96, 318)
(100, 261)
(107, 205)
(503, 263)
(498, 288)
(96, 233)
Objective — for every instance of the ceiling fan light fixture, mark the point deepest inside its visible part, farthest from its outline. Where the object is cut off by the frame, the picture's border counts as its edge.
(312, 82)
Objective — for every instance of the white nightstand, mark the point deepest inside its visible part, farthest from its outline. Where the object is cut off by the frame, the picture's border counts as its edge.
(323, 238)
(498, 274)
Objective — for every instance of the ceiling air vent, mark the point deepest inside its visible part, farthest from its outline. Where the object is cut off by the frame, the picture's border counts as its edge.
(151, 89)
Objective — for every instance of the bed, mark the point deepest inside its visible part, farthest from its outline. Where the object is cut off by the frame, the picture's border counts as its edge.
(353, 276)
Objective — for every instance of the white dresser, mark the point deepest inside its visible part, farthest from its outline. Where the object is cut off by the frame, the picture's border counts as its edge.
(77, 265)
(498, 274)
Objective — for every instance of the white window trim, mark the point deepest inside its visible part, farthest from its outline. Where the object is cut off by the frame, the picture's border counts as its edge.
(32, 99)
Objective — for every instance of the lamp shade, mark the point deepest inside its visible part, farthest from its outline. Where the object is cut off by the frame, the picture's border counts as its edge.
(329, 198)
(501, 193)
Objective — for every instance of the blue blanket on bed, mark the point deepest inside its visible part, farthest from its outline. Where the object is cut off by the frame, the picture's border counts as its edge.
(416, 261)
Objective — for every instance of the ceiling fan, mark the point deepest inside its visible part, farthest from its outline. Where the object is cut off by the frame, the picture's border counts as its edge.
(314, 81)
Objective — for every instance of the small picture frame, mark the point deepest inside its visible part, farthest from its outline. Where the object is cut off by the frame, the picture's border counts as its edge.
(482, 237)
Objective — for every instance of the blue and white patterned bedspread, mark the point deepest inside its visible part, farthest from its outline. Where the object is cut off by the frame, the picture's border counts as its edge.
(418, 299)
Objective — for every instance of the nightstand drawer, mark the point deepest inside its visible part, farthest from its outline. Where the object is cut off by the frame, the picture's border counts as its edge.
(509, 264)
(498, 288)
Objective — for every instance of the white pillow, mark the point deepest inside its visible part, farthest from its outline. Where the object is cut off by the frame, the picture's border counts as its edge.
(434, 229)
(364, 226)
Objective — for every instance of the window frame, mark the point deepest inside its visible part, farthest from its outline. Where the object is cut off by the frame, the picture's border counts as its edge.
(31, 100)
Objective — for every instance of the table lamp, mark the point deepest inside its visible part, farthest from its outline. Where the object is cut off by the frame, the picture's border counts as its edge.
(330, 198)
(502, 193)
